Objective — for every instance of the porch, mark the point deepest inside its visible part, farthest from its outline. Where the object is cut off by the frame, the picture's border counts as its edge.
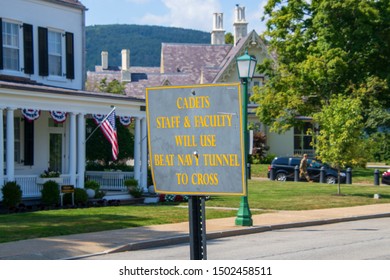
(108, 181)
(44, 141)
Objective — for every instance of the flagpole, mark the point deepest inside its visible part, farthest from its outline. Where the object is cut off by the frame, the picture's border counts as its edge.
(100, 124)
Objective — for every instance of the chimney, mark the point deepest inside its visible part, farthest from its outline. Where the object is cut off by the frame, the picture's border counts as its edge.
(240, 25)
(104, 60)
(125, 59)
(218, 34)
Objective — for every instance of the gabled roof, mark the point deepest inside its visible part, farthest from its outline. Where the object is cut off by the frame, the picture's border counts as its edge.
(252, 39)
(192, 58)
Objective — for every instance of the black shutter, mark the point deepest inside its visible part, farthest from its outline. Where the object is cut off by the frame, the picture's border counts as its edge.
(43, 52)
(28, 143)
(28, 48)
(1, 44)
(69, 56)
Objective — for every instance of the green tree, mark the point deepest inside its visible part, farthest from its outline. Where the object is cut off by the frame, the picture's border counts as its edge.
(113, 87)
(324, 48)
(340, 139)
(229, 39)
(99, 148)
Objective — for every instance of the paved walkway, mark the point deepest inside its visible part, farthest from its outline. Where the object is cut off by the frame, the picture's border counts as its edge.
(78, 245)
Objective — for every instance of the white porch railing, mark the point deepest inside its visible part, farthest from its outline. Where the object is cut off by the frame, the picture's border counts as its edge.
(107, 180)
(114, 180)
(29, 186)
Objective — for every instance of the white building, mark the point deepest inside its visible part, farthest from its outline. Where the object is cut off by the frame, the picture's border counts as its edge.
(42, 77)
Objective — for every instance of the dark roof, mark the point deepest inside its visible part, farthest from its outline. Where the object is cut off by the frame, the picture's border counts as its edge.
(192, 58)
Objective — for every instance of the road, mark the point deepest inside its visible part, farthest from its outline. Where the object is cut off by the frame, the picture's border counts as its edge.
(359, 240)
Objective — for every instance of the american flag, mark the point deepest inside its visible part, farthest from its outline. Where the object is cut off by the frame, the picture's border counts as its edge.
(109, 130)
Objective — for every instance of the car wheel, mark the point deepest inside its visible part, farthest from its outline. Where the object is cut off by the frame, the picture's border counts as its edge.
(331, 180)
(281, 177)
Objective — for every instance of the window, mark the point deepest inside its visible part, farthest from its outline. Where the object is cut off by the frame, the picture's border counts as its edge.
(302, 141)
(13, 50)
(10, 46)
(55, 53)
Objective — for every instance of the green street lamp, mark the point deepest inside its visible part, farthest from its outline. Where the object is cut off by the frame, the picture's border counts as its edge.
(246, 66)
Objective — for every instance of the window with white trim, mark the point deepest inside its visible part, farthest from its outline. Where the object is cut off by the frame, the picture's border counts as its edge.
(11, 46)
(55, 53)
(303, 141)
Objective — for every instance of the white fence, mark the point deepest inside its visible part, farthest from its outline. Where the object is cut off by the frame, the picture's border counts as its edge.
(107, 180)
(114, 180)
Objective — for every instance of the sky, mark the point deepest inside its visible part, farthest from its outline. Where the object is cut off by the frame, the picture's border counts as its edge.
(189, 14)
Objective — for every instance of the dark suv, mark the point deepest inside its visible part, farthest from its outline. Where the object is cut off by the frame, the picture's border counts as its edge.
(283, 168)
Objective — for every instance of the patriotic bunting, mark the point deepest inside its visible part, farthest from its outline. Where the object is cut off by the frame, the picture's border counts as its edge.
(58, 116)
(125, 120)
(98, 118)
(31, 114)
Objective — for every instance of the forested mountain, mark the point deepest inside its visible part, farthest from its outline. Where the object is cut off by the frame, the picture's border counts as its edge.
(144, 42)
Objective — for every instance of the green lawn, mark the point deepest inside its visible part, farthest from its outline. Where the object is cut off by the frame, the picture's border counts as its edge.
(264, 195)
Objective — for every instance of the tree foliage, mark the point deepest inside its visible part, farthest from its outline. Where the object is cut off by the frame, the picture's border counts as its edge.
(341, 124)
(326, 51)
(324, 48)
(340, 139)
(113, 87)
(99, 148)
(229, 38)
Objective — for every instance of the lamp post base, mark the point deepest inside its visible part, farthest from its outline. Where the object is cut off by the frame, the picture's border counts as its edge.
(244, 216)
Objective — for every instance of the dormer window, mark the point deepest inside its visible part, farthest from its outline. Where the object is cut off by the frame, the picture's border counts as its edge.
(11, 46)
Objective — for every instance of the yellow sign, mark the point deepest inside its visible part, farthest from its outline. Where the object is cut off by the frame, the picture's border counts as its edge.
(67, 189)
(195, 142)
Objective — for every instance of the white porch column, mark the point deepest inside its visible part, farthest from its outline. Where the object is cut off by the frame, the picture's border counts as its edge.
(80, 150)
(1, 151)
(144, 155)
(72, 148)
(10, 148)
(137, 149)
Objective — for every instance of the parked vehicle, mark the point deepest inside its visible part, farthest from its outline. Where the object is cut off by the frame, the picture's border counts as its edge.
(284, 167)
(386, 177)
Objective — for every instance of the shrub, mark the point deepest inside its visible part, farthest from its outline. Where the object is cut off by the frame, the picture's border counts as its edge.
(131, 182)
(132, 186)
(268, 159)
(80, 197)
(135, 191)
(50, 193)
(12, 194)
(96, 187)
